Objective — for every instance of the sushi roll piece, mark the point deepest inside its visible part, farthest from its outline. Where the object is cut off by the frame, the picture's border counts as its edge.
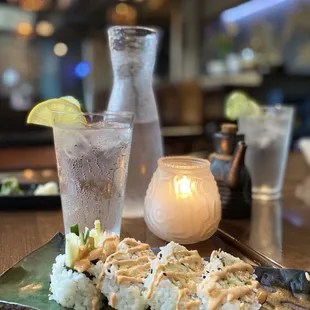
(75, 274)
(228, 284)
(173, 279)
(124, 274)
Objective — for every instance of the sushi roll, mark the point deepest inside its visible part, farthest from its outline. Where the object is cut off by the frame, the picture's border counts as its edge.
(76, 273)
(228, 284)
(124, 274)
(173, 279)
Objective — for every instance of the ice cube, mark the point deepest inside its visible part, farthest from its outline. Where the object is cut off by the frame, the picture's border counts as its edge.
(76, 144)
(268, 131)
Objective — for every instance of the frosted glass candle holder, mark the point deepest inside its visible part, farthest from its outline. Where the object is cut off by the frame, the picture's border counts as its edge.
(182, 203)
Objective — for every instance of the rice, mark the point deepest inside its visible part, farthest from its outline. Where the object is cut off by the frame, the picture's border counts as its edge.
(173, 279)
(131, 277)
(125, 271)
(72, 289)
(229, 284)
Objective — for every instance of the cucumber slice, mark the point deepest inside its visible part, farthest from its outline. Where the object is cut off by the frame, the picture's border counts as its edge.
(72, 249)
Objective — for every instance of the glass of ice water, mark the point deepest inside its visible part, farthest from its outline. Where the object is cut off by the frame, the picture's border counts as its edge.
(92, 152)
(267, 135)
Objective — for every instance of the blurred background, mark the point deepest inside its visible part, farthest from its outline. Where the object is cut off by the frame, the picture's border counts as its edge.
(208, 48)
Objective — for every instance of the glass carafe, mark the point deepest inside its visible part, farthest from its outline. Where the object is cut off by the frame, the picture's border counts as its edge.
(133, 53)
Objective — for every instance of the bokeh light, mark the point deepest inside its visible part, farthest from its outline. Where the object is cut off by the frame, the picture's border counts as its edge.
(124, 14)
(64, 4)
(10, 77)
(82, 69)
(45, 28)
(155, 4)
(28, 174)
(24, 29)
(60, 49)
(32, 5)
(122, 9)
(47, 173)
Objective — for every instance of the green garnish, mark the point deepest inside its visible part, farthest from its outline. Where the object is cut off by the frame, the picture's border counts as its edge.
(75, 229)
(10, 186)
(82, 238)
(91, 243)
(98, 227)
(86, 236)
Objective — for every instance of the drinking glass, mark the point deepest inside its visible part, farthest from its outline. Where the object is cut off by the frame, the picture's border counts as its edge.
(92, 152)
(267, 135)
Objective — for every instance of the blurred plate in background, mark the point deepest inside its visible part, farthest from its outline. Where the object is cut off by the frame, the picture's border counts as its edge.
(28, 200)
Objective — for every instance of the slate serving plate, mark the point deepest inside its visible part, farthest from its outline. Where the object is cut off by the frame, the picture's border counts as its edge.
(26, 285)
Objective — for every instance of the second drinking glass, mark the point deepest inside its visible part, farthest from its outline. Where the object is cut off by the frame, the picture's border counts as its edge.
(267, 136)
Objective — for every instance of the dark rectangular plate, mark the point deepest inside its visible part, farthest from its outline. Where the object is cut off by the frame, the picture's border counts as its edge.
(28, 200)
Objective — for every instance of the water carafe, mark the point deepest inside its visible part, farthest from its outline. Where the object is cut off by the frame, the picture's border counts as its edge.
(133, 54)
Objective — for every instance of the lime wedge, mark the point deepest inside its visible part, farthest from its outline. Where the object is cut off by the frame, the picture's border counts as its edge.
(72, 100)
(69, 112)
(239, 104)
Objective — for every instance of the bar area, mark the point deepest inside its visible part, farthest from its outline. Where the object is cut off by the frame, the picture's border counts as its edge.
(154, 154)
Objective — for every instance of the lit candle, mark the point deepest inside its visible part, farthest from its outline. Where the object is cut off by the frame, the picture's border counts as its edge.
(182, 203)
(183, 187)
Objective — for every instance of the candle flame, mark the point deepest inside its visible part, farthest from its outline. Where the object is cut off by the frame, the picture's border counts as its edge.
(183, 187)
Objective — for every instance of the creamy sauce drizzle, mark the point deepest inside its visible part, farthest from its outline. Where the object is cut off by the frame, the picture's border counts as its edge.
(87, 254)
(108, 247)
(262, 296)
(130, 261)
(231, 269)
(131, 270)
(213, 254)
(113, 300)
(192, 303)
(82, 265)
(179, 270)
(218, 296)
(182, 294)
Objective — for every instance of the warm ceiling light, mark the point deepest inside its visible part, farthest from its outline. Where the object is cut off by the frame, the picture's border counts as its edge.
(32, 5)
(45, 29)
(24, 29)
(122, 9)
(124, 15)
(60, 49)
(156, 4)
(63, 4)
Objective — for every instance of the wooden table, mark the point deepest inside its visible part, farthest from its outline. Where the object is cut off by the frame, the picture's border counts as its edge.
(279, 230)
